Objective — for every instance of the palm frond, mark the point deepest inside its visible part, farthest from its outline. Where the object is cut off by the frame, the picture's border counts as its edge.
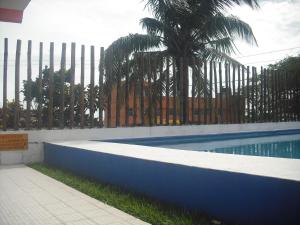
(214, 54)
(221, 26)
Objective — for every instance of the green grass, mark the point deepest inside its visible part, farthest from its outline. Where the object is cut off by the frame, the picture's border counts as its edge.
(146, 209)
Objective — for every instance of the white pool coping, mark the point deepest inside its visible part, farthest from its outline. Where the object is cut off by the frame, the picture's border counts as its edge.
(281, 168)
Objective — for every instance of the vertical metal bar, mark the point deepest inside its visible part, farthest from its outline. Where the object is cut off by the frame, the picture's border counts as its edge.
(272, 93)
(134, 101)
(248, 94)
(108, 76)
(40, 81)
(92, 85)
(230, 108)
(29, 83)
(149, 73)
(226, 94)
(118, 90)
(239, 110)
(221, 93)
(285, 97)
(269, 93)
(62, 86)
(261, 101)
(279, 82)
(243, 95)
(5, 84)
(253, 116)
(210, 90)
(73, 46)
(51, 84)
(265, 95)
(181, 80)
(216, 93)
(199, 91)
(101, 94)
(82, 69)
(127, 91)
(17, 86)
(276, 94)
(156, 85)
(161, 92)
(233, 99)
(142, 71)
(174, 92)
(193, 90)
(167, 90)
(205, 92)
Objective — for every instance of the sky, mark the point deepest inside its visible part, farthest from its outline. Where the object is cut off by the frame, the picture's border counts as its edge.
(276, 26)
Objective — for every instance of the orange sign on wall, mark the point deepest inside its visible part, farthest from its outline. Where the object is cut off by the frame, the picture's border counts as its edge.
(13, 142)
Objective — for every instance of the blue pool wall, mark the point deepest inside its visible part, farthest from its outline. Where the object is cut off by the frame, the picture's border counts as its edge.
(235, 198)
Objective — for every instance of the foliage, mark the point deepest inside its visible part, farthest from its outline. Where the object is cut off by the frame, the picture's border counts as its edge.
(289, 64)
(183, 29)
(57, 93)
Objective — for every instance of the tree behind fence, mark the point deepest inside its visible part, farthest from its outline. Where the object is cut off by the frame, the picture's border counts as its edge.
(146, 89)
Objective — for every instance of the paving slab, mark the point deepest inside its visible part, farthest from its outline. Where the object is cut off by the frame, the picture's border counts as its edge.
(30, 197)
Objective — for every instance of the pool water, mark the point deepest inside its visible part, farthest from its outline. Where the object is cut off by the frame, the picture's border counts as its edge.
(283, 144)
(284, 149)
(269, 147)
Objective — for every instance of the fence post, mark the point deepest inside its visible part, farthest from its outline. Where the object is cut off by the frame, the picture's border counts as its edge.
(28, 100)
(230, 108)
(82, 69)
(226, 93)
(216, 93)
(92, 86)
(167, 91)
(239, 95)
(134, 100)
(181, 96)
(199, 90)
(243, 94)
(17, 86)
(50, 93)
(156, 85)
(253, 100)
(161, 64)
(126, 91)
(62, 86)
(265, 95)
(40, 86)
(101, 94)
(248, 94)
(205, 92)
(221, 93)
(149, 72)
(193, 89)
(210, 90)
(174, 92)
(5, 84)
(73, 46)
(142, 71)
(233, 100)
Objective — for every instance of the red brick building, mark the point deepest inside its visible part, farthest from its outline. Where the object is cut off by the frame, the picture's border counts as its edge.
(214, 114)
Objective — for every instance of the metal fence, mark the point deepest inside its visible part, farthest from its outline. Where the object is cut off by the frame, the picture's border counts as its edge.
(145, 89)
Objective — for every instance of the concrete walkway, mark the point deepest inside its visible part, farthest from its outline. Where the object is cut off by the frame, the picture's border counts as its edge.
(29, 197)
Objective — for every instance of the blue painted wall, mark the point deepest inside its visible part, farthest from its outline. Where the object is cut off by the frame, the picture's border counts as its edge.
(233, 197)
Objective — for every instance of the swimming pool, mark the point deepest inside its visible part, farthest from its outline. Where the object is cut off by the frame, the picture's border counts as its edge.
(235, 188)
(282, 144)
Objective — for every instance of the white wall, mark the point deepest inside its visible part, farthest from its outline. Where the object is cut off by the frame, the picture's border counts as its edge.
(37, 137)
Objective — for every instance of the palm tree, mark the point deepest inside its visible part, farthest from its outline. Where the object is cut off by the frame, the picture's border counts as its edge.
(183, 29)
